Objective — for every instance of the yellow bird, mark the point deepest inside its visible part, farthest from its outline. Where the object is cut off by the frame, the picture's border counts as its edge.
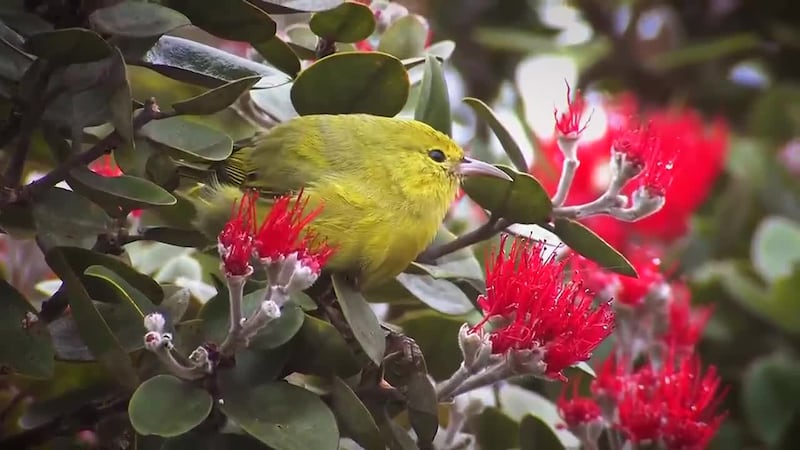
(385, 185)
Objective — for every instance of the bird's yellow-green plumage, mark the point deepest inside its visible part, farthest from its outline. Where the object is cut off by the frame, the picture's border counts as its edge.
(385, 185)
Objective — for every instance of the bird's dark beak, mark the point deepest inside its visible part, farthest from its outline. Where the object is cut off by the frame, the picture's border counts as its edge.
(471, 167)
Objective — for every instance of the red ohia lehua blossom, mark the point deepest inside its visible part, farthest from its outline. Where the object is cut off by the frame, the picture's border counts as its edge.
(676, 404)
(699, 148)
(568, 123)
(235, 241)
(577, 410)
(686, 325)
(622, 289)
(539, 310)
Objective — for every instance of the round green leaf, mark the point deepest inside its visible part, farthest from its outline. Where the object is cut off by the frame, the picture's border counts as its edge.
(523, 200)
(282, 416)
(348, 22)
(518, 402)
(433, 105)
(137, 20)
(437, 337)
(189, 138)
(216, 99)
(354, 417)
(495, 430)
(295, 6)
(124, 191)
(441, 295)
(771, 397)
(237, 20)
(534, 434)
(406, 37)
(318, 348)
(68, 46)
(166, 406)
(278, 53)
(587, 243)
(363, 323)
(508, 143)
(776, 248)
(64, 217)
(175, 236)
(26, 348)
(352, 82)
(192, 62)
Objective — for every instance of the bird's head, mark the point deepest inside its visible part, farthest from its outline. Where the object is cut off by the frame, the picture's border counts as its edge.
(439, 156)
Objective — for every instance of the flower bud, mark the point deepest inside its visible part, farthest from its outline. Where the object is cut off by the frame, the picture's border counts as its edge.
(647, 202)
(475, 347)
(271, 309)
(154, 322)
(527, 361)
(152, 340)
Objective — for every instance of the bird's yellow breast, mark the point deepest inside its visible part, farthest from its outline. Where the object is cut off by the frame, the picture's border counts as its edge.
(378, 232)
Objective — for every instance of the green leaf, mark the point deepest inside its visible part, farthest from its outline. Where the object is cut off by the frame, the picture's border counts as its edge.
(295, 6)
(592, 246)
(354, 418)
(348, 22)
(495, 430)
(584, 367)
(508, 143)
(166, 406)
(775, 250)
(216, 313)
(13, 61)
(422, 407)
(282, 416)
(442, 49)
(80, 259)
(783, 302)
(137, 20)
(534, 434)
(63, 217)
(459, 264)
(68, 46)
(352, 82)
(320, 349)
(189, 139)
(255, 367)
(771, 397)
(437, 337)
(93, 329)
(27, 348)
(405, 37)
(278, 53)
(433, 106)
(175, 236)
(236, 20)
(192, 62)
(359, 315)
(518, 402)
(123, 191)
(216, 99)
(128, 295)
(441, 295)
(523, 200)
(120, 106)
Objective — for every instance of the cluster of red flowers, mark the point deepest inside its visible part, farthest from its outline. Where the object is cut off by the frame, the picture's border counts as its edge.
(682, 158)
(282, 233)
(538, 310)
(668, 399)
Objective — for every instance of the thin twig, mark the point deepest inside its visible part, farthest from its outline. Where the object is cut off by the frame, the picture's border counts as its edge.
(31, 116)
(482, 233)
(108, 143)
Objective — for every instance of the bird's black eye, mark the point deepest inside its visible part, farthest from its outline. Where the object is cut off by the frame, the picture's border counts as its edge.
(437, 155)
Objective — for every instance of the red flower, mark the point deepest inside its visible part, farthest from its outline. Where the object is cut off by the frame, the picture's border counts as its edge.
(676, 404)
(626, 290)
(611, 379)
(540, 310)
(106, 167)
(568, 124)
(577, 410)
(685, 326)
(688, 159)
(235, 241)
(283, 233)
